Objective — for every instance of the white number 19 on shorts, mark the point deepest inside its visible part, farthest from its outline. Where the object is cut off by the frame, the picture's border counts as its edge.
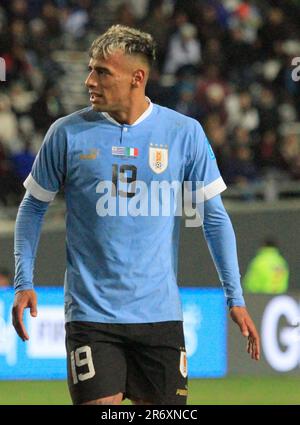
(82, 357)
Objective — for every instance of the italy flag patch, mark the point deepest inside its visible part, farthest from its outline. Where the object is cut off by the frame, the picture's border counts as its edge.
(125, 151)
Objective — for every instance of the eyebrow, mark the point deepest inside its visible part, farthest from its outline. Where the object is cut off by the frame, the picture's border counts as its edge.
(98, 68)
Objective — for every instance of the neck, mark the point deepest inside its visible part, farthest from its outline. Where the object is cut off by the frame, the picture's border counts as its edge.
(132, 113)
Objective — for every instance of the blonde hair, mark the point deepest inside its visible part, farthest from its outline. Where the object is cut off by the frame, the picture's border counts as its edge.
(129, 40)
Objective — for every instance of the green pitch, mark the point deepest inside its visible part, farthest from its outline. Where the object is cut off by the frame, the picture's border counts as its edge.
(237, 390)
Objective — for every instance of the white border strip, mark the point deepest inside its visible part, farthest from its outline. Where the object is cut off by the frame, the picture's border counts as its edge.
(214, 188)
(38, 191)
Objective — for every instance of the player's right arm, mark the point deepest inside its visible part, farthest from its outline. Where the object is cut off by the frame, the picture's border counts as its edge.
(203, 171)
(27, 233)
(42, 184)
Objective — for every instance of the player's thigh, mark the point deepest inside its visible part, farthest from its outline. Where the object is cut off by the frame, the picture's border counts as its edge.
(96, 363)
(157, 367)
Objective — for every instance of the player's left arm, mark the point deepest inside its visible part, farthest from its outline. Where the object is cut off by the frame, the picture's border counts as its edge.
(221, 241)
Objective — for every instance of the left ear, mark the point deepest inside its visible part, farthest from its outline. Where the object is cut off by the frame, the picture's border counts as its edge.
(138, 77)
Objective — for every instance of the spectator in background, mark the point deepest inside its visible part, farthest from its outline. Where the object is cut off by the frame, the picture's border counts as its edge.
(268, 155)
(272, 33)
(5, 278)
(22, 161)
(211, 23)
(3, 20)
(19, 9)
(50, 15)
(8, 125)
(268, 272)
(47, 108)
(213, 53)
(247, 16)
(124, 15)
(187, 11)
(240, 136)
(184, 49)
(267, 110)
(157, 22)
(290, 150)
(239, 58)
(241, 111)
(241, 170)
(217, 135)
(19, 33)
(211, 92)
(39, 39)
(10, 186)
(186, 103)
(77, 19)
(22, 99)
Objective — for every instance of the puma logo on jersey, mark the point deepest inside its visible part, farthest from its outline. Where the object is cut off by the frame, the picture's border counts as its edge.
(93, 154)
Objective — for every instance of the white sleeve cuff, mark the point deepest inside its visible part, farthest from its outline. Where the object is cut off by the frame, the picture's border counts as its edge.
(38, 191)
(214, 188)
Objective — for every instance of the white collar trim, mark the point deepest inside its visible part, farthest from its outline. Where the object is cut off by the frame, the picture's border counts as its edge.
(138, 121)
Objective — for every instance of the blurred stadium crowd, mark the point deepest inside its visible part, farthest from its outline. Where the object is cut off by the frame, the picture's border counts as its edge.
(225, 63)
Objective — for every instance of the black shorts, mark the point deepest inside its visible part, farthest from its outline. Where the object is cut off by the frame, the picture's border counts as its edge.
(143, 361)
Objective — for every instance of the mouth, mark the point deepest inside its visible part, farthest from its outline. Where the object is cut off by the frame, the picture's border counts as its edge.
(95, 96)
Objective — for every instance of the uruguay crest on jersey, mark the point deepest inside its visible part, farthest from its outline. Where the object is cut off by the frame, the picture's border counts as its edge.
(158, 157)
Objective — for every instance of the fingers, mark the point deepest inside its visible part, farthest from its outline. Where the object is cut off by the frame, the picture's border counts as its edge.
(253, 345)
(23, 299)
(17, 320)
(33, 310)
(244, 329)
(240, 316)
(253, 348)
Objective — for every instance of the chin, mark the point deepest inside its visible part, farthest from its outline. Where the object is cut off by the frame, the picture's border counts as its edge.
(99, 108)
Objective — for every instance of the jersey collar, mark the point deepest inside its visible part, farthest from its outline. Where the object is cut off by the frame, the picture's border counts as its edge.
(138, 121)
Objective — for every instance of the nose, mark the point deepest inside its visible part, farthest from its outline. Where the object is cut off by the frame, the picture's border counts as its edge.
(91, 80)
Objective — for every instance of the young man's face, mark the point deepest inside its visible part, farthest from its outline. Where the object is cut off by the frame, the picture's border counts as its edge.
(110, 82)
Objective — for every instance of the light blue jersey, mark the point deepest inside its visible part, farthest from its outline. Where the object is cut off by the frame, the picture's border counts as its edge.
(122, 268)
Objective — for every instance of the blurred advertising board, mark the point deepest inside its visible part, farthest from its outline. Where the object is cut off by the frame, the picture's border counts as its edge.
(278, 320)
(43, 356)
(205, 323)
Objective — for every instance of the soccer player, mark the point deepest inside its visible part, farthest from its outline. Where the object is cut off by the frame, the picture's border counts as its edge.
(124, 331)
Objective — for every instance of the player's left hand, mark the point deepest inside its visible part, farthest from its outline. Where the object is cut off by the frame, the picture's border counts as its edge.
(242, 318)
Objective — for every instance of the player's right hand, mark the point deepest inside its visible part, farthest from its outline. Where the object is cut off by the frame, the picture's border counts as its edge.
(23, 299)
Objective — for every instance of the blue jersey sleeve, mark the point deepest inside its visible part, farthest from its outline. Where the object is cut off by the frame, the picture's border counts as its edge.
(221, 241)
(202, 169)
(49, 169)
(27, 233)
